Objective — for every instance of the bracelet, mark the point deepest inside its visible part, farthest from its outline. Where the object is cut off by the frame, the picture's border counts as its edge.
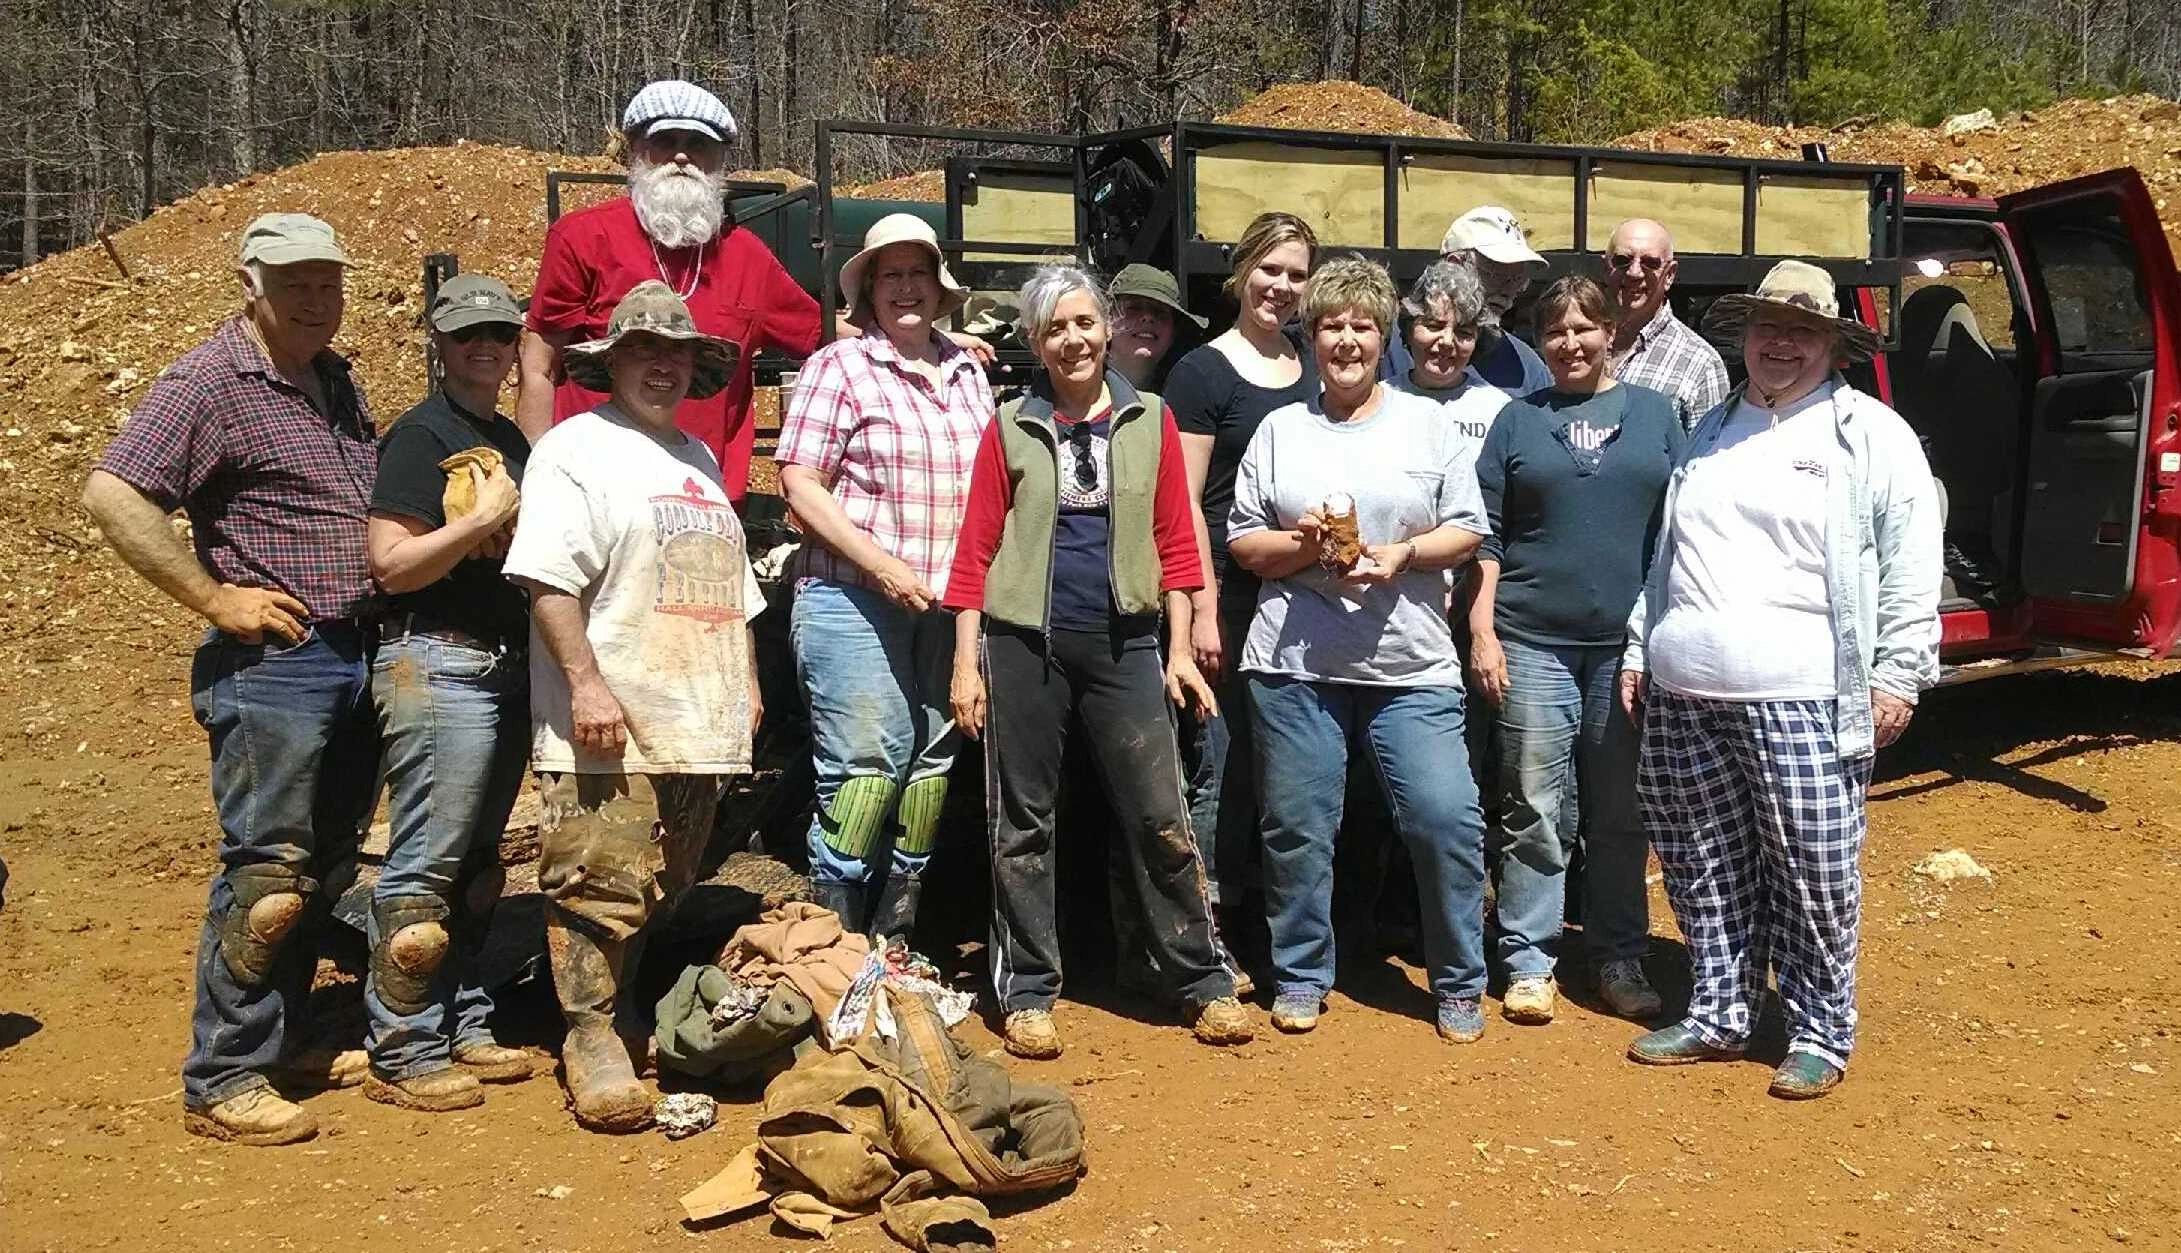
(1409, 560)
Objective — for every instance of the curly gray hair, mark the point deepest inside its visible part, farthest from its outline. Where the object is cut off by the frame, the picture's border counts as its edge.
(1042, 294)
(1446, 289)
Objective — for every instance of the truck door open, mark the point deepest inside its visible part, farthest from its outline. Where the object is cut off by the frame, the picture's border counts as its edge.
(2101, 516)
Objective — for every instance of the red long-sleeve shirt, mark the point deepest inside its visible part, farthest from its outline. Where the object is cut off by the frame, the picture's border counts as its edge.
(991, 495)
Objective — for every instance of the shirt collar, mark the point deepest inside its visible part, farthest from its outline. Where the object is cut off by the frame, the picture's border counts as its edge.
(247, 356)
(952, 356)
(1654, 328)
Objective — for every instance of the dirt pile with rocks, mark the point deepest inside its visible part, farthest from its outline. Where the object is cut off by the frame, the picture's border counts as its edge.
(2007, 154)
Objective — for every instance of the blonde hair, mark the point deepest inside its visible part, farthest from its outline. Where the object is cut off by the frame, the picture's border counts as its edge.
(1266, 232)
(1350, 282)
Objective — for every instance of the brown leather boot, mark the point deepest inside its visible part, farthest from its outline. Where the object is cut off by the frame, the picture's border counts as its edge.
(494, 1062)
(602, 1087)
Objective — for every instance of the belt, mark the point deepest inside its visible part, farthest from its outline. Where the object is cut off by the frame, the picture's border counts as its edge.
(396, 627)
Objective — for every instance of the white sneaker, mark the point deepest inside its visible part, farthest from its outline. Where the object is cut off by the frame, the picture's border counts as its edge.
(1627, 992)
(1530, 999)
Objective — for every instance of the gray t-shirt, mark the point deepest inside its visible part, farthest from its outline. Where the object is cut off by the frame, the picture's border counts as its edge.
(1408, 470)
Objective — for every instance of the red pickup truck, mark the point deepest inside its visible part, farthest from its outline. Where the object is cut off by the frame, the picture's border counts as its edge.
(2039, 354)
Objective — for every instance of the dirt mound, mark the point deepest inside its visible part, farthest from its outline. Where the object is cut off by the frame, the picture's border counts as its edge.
(1337, 105)
(2018, 151)
(79, 344)
(924, 186)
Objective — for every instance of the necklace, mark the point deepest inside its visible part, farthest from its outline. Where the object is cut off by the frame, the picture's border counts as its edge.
(696, 271)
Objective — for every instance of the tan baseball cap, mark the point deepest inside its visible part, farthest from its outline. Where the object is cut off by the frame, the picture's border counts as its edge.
(289, 238)
(468, 299)
(1493, 232)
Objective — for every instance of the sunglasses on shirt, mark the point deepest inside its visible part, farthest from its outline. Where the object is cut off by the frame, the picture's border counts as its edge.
(1086, 467)
(497, 332)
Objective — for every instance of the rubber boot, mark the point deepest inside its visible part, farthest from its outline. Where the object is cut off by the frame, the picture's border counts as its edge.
(894, 917)
(845, 899)
(602, 1086)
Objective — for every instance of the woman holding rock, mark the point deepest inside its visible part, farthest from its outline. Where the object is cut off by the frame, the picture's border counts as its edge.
(1350, 507)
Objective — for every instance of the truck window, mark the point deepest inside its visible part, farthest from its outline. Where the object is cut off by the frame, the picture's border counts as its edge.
(2088, 265)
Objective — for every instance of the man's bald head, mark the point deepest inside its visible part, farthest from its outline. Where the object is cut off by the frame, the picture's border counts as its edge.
(1639, 262)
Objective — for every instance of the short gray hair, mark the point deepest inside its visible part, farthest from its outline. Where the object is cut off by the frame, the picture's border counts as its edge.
(1350, 283)
(1446, 285)
(1042, 294)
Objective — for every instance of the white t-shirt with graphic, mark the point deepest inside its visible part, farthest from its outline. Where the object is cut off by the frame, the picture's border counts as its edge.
(1748, 608)
(640, 530)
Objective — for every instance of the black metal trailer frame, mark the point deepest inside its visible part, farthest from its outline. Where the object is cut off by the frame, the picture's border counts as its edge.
(1188, 255)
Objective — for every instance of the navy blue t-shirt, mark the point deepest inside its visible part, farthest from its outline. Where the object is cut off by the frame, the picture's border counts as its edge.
(1083, 529)
(1573, 487)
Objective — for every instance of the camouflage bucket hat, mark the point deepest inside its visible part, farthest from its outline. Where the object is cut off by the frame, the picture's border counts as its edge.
(1800, 290)
(652, 308)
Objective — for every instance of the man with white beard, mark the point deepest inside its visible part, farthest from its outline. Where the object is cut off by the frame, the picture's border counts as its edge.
(668, 228)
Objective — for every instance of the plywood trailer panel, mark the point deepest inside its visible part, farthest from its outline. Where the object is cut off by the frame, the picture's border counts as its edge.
(1340, 192)
(1799, 216)
(1438, 187)
(1008, 207)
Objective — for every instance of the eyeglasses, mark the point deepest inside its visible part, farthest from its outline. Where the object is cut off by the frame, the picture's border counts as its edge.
(497, 332)
(1086, 467)
(1623, 261)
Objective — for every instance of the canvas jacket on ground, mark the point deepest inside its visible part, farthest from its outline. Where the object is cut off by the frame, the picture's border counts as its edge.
(1883, 559)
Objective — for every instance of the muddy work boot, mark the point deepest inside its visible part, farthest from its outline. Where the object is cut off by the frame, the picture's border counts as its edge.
(323, 1067)
(1030, 1033)
(602, 1086)
(259, 1117)
(495, 1063)
(438, 1092)
(1223, 1020)
(894, 917)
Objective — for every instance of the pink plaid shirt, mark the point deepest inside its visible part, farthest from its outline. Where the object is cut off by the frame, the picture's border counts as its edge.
(896, 455)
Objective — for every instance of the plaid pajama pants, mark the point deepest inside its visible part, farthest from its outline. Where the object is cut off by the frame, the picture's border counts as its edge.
(1759, 826)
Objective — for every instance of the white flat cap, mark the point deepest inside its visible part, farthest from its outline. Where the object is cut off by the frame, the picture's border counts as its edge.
(672, 104)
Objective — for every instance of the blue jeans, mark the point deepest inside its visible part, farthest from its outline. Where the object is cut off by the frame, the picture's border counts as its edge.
(1568, 766)
(1305, 731)
(295, 754)
(1222, 783)
(456, 723)
(877, 679)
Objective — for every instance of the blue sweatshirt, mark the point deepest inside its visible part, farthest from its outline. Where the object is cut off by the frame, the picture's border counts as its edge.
(1572, 487)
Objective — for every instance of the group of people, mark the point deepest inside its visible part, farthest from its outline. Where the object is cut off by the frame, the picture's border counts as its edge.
(1228, 562)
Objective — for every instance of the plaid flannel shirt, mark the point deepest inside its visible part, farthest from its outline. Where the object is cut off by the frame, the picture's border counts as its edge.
(276, 492)
(895, 453)
(1669, 357)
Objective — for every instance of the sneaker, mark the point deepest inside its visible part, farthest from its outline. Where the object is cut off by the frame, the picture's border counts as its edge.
(1627, 992)
(1030, 1033)
(1461, 1019)
(1297, 1012)
(1223, 1021)
(495, 1063)
(260, 1116)
(442, 1090)
(1530, 1000)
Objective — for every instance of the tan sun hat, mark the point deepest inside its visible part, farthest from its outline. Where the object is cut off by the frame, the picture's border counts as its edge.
(900, 228)
(652, 308)
(1796, 287)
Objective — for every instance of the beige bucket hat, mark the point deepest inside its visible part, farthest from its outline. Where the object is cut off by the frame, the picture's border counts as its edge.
(1795, 287)
(652, 308)
(900, 228)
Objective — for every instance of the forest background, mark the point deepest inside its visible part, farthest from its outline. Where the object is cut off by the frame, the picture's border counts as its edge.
(109, 108)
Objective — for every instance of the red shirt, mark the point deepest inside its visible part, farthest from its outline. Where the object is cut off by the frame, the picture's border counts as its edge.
(594, 255)
(992, 495)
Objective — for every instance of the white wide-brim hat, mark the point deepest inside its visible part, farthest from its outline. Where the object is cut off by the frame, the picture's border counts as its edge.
(900, 228)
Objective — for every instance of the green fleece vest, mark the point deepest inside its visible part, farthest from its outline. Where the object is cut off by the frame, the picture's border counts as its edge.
(1018, 586)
